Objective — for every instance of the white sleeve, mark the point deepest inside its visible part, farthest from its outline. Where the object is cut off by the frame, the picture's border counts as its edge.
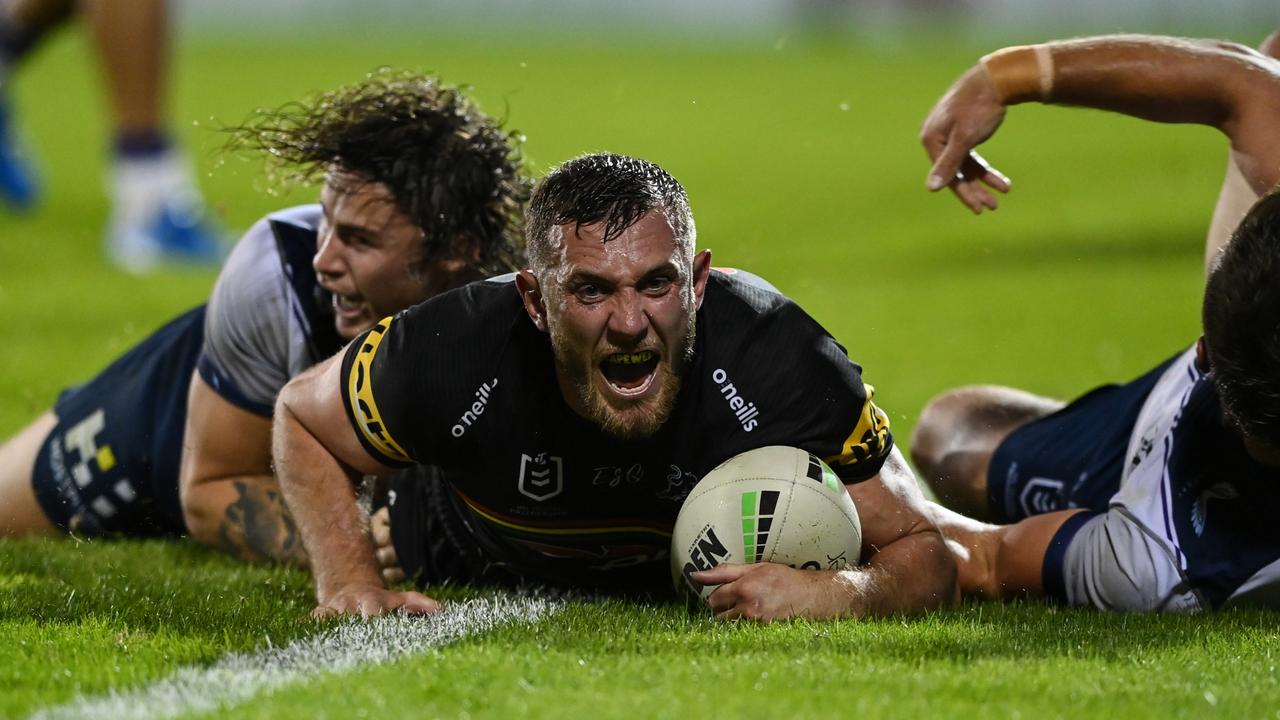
(1261, 590)
(1114, 563)
(245, 358)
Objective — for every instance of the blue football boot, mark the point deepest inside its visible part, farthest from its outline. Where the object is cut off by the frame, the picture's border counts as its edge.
(18, 187)
(158, 217)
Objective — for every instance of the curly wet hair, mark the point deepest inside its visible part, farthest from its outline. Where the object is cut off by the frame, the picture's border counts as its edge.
(451, 168)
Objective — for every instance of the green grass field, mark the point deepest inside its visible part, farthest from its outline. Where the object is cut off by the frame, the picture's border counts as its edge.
(802, 164)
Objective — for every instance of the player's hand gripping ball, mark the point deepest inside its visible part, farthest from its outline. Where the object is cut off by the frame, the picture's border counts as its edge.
(773, 504)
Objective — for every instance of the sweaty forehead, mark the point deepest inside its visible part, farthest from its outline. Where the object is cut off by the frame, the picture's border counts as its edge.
(646, 244)
(357, 200)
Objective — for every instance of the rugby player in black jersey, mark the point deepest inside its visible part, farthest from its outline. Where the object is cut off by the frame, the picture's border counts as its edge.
(572, 407)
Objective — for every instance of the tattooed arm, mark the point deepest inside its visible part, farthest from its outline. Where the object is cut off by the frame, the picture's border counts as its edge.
(230, 498)
(256, 525)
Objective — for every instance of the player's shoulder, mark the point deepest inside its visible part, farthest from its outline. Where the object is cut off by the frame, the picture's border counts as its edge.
(462, 307)
(746, 310)
(448, 348)
(474, 319)
(731, 289)
(754, 335)
(302, 217)
(266, 248)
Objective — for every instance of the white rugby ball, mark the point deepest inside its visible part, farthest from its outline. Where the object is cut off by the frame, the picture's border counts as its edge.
(772, 504)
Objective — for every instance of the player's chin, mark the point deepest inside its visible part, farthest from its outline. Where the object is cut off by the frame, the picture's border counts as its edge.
(636, 415)
(349, 326)
(637, 422)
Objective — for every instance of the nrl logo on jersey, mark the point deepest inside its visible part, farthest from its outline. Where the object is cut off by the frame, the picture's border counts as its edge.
(541, 476)
(1200, 511)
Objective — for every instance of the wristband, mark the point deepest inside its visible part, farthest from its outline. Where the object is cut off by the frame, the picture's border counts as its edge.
(1021, 73)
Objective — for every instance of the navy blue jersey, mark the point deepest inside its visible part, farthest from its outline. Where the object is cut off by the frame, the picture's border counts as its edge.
(1072, 458)
(465, 381)
(1222, 504)
(1188, 521)
(111, 463)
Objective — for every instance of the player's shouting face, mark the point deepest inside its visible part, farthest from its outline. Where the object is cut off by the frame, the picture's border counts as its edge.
(621, 319)
(368, 254)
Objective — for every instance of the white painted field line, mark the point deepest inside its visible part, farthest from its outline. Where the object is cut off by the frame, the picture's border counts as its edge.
(239, 677)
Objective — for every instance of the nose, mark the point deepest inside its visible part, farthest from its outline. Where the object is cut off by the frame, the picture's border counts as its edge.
(327, 261)
(628, 323)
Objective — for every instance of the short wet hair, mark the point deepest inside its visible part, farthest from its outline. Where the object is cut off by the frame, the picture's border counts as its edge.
(616, 190)
(1241, 315)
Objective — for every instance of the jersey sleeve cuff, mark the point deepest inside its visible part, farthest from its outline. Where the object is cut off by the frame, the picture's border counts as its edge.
(863, 469)
(227, 389)
(360, 417)
(1052, 574)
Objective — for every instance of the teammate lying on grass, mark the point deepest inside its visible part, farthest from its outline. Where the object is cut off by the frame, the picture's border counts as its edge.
(421, 192)
(1160, 494)
(572, 407)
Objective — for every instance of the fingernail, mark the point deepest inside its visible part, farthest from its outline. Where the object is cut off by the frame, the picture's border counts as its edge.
(935, 182)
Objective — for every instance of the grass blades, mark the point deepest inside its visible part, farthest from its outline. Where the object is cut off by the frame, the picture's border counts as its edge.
(83, 619)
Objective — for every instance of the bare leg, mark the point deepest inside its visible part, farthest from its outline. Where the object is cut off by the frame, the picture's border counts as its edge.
(132, 38)
(999, 562)
(957, 434)
(20, 513)
(157, 212)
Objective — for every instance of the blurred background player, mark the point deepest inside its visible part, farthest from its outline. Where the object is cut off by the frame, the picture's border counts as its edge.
(156, 210)
(1161, 493)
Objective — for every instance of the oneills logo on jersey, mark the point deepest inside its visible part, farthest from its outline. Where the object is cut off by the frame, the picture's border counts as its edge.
(360, 392)
(477, 408)
(870, 436)
(742, 408)
(541, 476)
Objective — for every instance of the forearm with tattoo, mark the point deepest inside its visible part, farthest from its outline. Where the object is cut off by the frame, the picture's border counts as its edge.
(257, 527)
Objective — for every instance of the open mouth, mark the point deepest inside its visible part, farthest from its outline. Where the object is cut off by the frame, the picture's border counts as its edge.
(631, 373)
(347, 305)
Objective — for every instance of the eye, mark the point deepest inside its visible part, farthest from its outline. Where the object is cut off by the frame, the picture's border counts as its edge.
(356, 239)
(655, 285)
(589, 292)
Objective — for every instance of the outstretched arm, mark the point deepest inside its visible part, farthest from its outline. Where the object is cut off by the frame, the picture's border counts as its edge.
(1000, 562)
(318, 458)
(1223, 85)
(1238, 194)
(906, 565)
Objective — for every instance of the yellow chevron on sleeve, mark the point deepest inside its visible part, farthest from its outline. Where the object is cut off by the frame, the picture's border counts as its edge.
(870, 436)
(360, 392)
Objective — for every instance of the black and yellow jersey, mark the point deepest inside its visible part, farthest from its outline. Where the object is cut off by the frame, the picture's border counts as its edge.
(467, 383)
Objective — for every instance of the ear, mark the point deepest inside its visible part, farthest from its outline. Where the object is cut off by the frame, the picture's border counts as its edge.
(1202, 356)
(701, 271)
(531, 296)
